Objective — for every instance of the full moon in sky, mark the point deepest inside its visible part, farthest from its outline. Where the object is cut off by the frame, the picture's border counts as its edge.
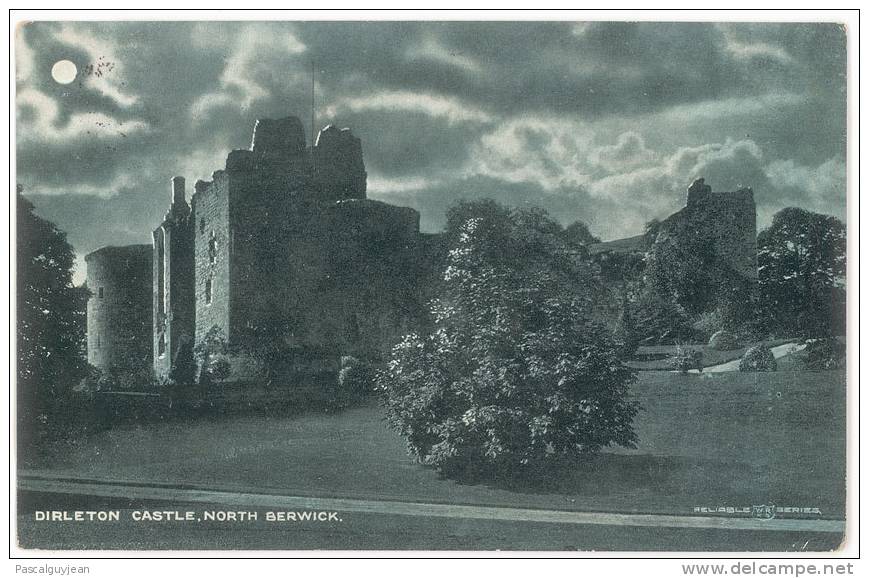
(63, 71)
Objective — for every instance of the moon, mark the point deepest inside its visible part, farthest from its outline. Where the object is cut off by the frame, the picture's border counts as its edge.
(64, 71)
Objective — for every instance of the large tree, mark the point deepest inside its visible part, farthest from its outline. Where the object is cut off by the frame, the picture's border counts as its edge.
(801, 263)
(50, 324)
(516, 371)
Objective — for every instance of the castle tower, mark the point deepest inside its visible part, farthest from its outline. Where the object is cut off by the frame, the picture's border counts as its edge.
(119, 308)
(729, 220)
(173, 283)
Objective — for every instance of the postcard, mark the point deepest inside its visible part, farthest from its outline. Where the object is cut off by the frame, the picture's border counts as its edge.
(477, 286)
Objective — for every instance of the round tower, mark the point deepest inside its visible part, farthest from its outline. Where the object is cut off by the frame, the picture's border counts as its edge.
(119, 319)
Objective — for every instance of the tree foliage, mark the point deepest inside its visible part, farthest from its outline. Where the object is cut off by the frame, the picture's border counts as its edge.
(578, 234)
(685, 279)
(211, 355)
(51, 324)
(516, 370)
(801, 262)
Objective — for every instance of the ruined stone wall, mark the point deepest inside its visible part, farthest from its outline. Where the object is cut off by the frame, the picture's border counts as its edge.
(119, 312)
(212, 249)
(372, 276)
(174, 284)
(299, 260)
(729, 221)
(339, 170)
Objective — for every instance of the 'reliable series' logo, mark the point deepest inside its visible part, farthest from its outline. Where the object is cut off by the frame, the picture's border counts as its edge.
(761, 512)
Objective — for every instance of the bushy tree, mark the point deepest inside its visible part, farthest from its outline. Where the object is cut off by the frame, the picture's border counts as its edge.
(515, 371)
(758, 358)
(626, 335)
(211, 357)
(685, 280)
(51, 326)
(578, 234)
(801, 263)
(827, 353)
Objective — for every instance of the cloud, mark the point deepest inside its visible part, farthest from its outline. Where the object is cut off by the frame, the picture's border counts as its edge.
(550, 152)
(628, 153)
(606, 122)
(261, 56)
(382, 187)
(104, 70)
(656, 191)
(42, 121)
(744, 48)
(451, 109)
(432, 50)
(818, 188)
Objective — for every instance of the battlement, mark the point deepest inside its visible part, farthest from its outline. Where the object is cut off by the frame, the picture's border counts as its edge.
(727, 220)
(700, 194)
(279, 161)
(282, 138)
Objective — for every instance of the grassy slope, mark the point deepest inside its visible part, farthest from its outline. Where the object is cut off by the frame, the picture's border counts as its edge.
(724, 439)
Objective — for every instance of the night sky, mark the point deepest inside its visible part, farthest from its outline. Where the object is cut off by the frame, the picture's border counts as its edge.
(601, 122)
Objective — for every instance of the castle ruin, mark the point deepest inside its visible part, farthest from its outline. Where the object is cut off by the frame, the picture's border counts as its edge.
(283, 256)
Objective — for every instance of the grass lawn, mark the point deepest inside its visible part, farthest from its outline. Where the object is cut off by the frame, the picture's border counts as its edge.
(706, 440)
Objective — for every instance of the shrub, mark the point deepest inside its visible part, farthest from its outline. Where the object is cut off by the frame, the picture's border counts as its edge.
(684, 359)
(211, 357)
(117, 378)
(515, 373)
(356, 380)
(709, 322)
(626, 334)
(723, 341)
(758, 358)
(824, 354)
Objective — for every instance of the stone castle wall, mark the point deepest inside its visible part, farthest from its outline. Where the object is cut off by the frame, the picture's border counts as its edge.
(728, 220)
(211, 256)
(296, 257)
(282, 252)
(119, 318)
(173, 293)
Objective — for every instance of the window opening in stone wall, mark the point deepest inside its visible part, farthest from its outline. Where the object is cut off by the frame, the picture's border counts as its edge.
(99, 342)
(100, 292)
(161, 346)
(212, 249)
(202, 225)
(208, 291)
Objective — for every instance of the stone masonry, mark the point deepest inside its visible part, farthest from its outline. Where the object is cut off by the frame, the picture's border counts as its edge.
(282, 255)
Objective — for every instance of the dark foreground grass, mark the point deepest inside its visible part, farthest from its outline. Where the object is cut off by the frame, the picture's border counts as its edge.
(723, 439)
